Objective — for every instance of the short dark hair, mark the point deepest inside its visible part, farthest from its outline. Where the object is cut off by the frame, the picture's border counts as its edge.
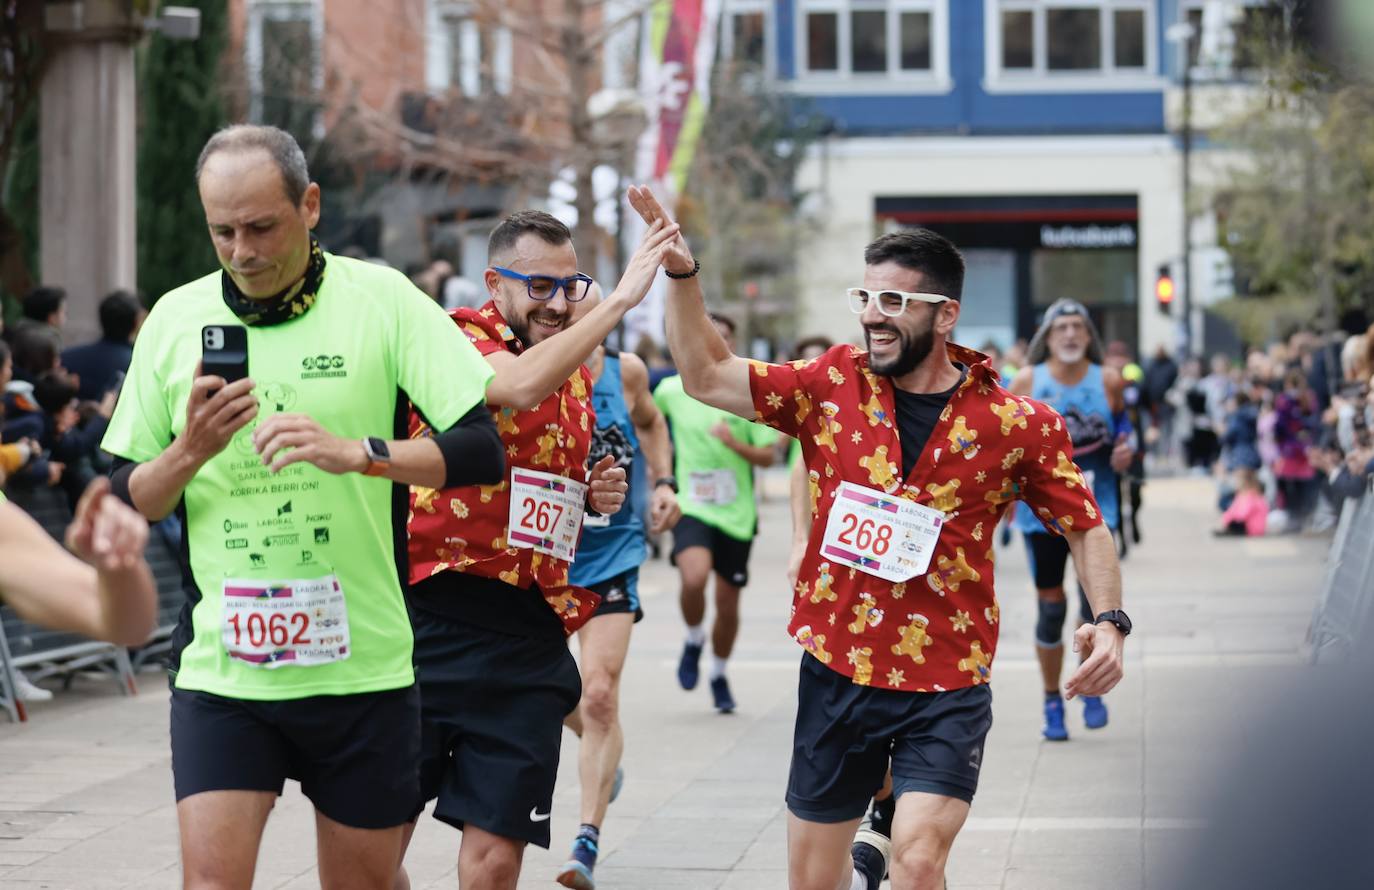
(280, 145)
(118, 315)
(43, 301)
(822, 342)
(924, 251)
(54, 390)
(726, 320)
(35, 349)
(526, 222)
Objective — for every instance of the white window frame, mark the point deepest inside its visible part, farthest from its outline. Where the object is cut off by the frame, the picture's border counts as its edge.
(733, 8)
(895, 79)
(262, 11)
(1040, 79)
(439, 52)
(1201, 72)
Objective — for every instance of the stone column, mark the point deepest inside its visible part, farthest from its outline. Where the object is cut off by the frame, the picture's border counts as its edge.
(88, 151)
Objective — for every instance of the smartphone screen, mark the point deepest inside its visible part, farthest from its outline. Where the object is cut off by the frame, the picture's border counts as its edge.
(224, 351)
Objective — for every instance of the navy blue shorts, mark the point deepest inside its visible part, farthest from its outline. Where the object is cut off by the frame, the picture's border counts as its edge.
(729, 556)
(619, 595)
(846, 735)
(354, 755)
(492, 709)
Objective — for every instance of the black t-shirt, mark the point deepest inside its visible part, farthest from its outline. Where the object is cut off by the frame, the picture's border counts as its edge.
(917, 414)
(487, 603)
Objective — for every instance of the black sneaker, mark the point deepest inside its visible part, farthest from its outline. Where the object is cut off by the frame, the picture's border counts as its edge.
(880, 816)
(871, 852)
(689, 668)
(720, 691)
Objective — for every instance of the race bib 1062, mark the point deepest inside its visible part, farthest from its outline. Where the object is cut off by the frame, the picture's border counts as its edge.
(885, 536)
(271, 624)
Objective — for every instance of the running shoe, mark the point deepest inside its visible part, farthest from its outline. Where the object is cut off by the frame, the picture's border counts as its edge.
(1055, 730)
(1094, 711)
(720, 691)
(577, 873)
(872, 853)
(689, 668)
(878, 820)
(617, 783)
(25, 690)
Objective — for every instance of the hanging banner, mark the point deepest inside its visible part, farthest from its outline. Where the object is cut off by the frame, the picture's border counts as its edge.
(676, 59)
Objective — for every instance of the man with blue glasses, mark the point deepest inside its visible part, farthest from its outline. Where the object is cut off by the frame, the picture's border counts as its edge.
(490, 595)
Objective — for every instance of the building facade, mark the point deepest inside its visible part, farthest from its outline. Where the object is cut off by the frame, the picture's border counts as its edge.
(1039, 135)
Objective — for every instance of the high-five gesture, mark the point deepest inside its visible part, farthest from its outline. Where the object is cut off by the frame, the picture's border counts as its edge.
(677, 256)
(643, 267)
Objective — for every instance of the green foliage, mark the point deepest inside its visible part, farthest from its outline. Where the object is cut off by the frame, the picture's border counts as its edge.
(180, 108)
(19, 197)
(741, 205)
(1298, 215)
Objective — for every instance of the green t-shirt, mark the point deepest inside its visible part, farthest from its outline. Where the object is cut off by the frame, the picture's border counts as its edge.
(717, 485)
(370, 340)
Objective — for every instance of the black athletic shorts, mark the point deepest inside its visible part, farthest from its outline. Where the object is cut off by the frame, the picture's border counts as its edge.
(492, 709)
(846, 735)
(1049, 559)
(729, 556)
(619, 595)
(354, 755)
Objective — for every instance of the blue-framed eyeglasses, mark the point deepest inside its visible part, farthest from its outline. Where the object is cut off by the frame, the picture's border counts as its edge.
(543, 287)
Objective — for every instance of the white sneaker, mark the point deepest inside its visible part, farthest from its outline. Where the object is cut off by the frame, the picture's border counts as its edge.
(873, 871)
(26, 691)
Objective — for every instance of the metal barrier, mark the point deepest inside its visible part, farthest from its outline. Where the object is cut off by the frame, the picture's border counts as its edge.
(1343, 610)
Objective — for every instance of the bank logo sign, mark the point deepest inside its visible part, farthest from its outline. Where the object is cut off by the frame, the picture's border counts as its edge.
(316, 366)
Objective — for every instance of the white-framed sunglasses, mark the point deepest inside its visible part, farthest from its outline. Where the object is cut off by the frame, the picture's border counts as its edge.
(891, 303)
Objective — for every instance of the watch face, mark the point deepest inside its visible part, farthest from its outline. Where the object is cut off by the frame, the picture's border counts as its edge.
(379, 448)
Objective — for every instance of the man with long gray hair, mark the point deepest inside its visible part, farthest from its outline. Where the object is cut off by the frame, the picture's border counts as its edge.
(1064, 370)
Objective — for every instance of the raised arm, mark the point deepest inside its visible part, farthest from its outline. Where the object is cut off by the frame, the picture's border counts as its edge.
(106, 594)
(711, 373)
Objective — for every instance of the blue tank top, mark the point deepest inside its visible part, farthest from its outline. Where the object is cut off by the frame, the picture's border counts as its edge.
(606, 551)
(1091, 428)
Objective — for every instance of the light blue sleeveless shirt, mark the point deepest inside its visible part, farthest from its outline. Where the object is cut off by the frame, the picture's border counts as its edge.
(1088, 415)
(610, 550)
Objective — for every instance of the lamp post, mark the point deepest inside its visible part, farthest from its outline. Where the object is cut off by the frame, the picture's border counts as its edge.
(1181, 35)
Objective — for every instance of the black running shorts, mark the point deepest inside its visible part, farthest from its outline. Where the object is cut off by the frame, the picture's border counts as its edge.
(354, 755)
(1049, 558)
(729, 556)
(846, 734)
(492, 709)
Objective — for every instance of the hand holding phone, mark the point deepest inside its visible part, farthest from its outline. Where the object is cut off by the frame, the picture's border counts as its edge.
(224, 351)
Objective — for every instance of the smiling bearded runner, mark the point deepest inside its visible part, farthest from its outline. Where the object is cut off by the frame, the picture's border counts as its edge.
(489, 565)
(915, 450)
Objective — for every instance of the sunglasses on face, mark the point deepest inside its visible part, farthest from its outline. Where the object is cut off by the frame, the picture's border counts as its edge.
(891, 303)
(544, 287)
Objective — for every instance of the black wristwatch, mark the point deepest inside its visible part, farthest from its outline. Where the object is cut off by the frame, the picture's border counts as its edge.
(670, 481)
(1117, 617)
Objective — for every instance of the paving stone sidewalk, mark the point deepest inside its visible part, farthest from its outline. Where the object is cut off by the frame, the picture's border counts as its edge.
(86, 792)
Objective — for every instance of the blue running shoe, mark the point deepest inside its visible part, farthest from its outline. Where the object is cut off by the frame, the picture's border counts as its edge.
(1094, 711)
(617, 783)
(577, 873)
(689, 668)
(720, 691)
(1055, 730)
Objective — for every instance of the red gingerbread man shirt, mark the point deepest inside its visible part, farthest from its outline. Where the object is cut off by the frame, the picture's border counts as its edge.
(466, 529)
(936, 630)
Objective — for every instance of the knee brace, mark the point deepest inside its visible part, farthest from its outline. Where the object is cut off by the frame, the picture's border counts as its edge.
(1049, 627)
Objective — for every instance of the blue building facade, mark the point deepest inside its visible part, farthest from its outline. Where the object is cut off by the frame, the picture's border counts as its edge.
(1034, 133)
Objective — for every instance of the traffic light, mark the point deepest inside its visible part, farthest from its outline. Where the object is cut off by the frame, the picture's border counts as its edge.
(1164, 290)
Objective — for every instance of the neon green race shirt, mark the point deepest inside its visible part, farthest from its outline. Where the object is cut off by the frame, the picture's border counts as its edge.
(701, 459)
(370, 340)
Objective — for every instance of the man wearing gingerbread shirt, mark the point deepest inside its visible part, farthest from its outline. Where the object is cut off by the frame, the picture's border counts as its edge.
(913, 451)
(490, 598)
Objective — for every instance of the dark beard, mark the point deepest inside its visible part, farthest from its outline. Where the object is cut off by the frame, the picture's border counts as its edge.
(914, 350)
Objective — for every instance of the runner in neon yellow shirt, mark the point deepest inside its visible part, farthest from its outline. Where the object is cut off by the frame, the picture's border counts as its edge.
(292, 657)
(715, 454)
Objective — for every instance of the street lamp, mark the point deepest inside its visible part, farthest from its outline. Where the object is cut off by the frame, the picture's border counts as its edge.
(1180, 35)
